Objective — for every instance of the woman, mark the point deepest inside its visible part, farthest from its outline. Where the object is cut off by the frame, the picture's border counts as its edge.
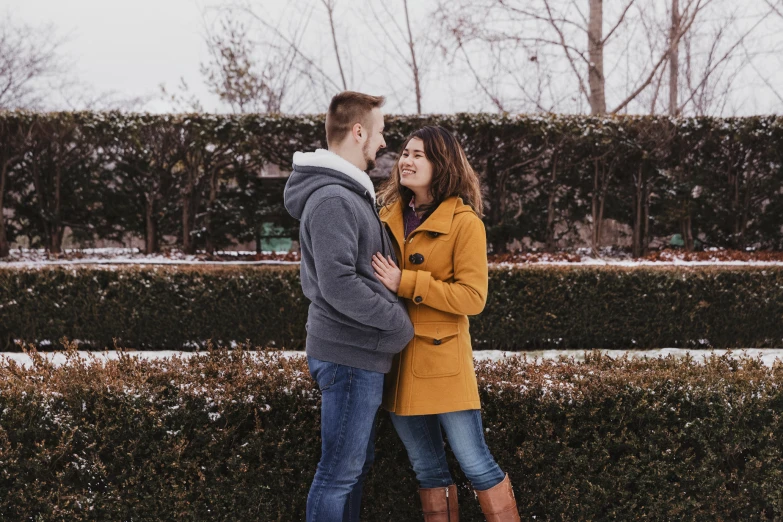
(432, 207)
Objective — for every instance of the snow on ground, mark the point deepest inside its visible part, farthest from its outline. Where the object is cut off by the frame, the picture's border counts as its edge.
(27, 258)
(590, 261)
(32, 258)
(769, 356)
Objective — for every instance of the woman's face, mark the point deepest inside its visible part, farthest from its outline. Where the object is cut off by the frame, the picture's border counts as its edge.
(415, 168)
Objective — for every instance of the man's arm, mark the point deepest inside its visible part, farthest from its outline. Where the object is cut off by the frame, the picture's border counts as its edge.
(334, 236)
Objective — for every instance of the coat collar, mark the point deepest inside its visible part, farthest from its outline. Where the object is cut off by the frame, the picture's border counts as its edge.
(329, 160)
(439, 222)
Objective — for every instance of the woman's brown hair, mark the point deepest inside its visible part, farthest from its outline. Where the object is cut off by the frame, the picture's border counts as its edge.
(452, 174)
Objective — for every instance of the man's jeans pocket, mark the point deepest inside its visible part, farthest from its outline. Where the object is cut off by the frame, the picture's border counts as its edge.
(323, 372)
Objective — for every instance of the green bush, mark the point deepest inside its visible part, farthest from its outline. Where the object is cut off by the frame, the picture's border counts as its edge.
(533, 307)
(198, 177)
(234, 435)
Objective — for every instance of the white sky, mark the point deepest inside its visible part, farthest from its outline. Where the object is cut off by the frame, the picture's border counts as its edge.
(129, 48)
(126, 47)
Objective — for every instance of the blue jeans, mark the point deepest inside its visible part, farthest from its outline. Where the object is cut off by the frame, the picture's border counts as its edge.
(422, 437)
(350, 398)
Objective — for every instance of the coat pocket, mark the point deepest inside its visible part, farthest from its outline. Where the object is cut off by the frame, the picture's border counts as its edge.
(436, 350)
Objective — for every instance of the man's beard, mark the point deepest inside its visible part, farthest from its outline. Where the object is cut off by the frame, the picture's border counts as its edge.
(370, 161)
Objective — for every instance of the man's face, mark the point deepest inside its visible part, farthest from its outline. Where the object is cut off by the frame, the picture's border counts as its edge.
(374, 141)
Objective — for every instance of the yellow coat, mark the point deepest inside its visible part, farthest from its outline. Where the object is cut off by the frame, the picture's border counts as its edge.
(434, 373)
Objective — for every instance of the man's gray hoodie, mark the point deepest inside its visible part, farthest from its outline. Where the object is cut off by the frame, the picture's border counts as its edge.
(353, 319)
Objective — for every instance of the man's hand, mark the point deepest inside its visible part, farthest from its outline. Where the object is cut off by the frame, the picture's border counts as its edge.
(387, 272)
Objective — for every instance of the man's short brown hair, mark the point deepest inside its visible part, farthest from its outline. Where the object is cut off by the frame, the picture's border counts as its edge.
(346, 110)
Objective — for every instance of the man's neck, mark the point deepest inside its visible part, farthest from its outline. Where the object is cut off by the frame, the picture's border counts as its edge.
(352, 156)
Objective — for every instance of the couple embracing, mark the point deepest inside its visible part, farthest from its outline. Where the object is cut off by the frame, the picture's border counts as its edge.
(390, 295)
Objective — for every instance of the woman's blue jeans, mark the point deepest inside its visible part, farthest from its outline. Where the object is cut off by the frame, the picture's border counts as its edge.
(423, 438)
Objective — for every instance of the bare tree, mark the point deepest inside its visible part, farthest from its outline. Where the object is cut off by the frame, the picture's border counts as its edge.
(413, 65)
(14, 135)
(770, 52)
(542, 31)
(550, 33)
(409, 48)
(674, 59)
(260, 63)
(29, 58)
(236, 74)
(182, 99)
(330, 7)
(714, 60)
(595, 46)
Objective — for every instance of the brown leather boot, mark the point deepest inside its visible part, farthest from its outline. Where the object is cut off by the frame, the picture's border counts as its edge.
(498, 503)
(440, 504)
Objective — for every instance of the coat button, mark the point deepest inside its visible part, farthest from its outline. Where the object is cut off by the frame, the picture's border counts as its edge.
(436, 342)
(416, 259)
(418, 299)
(433, 234)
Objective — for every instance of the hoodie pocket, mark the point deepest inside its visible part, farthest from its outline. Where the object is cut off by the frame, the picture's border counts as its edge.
(436, 350)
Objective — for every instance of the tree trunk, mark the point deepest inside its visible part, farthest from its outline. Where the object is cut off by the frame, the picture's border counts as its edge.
(596, 51)
(550, 209)
(186, 241)
(188, 246)
(600, 224)
(594, 238)
(414, 65)
(4, 248)
(674, 59)
(646, 235)
(746, 210)
(687, 228)
(259, 231)
(735, 207)
(498, 241)
(213, 182)
(57, 228)
(57, 239)
(330, 11)
(638, 213)
(151, 228)
(42, 207)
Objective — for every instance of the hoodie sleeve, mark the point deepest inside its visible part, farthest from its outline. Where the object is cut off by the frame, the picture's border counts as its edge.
(334, 236)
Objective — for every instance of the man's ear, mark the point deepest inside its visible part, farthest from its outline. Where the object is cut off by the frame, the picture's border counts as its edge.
(357, 132)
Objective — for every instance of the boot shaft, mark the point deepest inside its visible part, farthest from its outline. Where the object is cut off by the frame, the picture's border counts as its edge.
(440, 504)
(498, 503)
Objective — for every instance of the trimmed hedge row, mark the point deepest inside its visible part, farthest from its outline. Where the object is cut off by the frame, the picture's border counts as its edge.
(532, 307)
(232, 435)
(197, 179)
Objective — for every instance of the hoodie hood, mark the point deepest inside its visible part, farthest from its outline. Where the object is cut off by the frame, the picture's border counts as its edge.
(314, 170)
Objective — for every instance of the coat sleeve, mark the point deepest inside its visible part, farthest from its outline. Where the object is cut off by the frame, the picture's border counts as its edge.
(334, 234)
(467, 295)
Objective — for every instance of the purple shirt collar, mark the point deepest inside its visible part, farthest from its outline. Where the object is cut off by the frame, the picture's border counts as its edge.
(411, 220)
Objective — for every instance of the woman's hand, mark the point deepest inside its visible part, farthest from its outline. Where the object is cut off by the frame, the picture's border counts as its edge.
(387, 272)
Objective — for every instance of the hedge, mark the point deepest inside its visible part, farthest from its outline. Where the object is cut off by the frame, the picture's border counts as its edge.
(196, 180)
(530, 307)
(234, 435)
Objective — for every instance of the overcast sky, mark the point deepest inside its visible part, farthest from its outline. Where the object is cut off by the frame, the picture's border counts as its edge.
(129, 48)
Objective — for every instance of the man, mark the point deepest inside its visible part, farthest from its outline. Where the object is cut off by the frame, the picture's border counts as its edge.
(354, 324)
